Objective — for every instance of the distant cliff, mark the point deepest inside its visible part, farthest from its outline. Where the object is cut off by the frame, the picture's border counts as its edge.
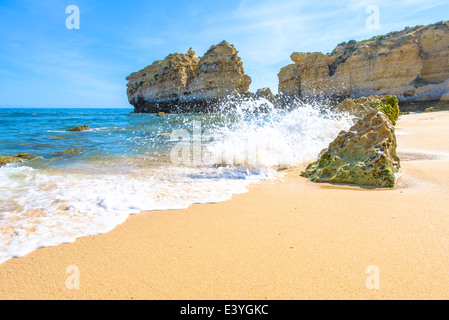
(412, 64)
(187, 83)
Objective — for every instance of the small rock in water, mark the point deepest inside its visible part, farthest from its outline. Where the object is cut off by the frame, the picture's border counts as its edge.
(4, 160)
(79, 128)
(161, 114)
(8, 159)
(25, 156)
(70, 151)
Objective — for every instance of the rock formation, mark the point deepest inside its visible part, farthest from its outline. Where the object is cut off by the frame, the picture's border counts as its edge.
(359, 107)
(364, 155)
(8, 159)
(4, 160)
(185, 82)
(412, 64)
(445, 98)
(70, 152)
(79, 129)
(266, 94)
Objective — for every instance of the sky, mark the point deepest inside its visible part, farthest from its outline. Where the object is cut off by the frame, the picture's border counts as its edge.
(43, 63)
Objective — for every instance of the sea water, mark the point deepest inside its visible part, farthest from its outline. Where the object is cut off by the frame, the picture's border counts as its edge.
(86, 183)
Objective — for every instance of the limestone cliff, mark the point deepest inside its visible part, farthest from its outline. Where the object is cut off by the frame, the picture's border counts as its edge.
(185, 82)
(412, 64)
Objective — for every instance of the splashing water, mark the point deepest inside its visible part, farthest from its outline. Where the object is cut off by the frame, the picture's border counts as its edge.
(89, 182)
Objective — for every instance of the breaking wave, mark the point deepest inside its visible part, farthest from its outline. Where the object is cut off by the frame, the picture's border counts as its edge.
(154, 163)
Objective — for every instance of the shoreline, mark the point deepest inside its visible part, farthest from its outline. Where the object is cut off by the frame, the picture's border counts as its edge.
(290, 239)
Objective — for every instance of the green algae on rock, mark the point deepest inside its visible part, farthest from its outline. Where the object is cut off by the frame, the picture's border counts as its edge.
(25, 156)
(359, 107)
(79, 129)
(9, 159)
(4, 160)
(364, 155)
(70, 151)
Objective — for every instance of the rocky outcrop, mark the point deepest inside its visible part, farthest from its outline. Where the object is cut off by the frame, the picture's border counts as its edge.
(185, 82)
(364, 155)
(412, 64)
(70, 152)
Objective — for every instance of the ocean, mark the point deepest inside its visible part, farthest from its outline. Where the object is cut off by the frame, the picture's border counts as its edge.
(86, 183)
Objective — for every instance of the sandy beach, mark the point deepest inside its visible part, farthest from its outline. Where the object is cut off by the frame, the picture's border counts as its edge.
(287, 239)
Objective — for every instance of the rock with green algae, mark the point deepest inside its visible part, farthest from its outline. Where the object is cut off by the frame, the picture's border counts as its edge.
(70, 151)
(359, 107)
(25, 156)
(79, 129)
(364, 155)
(9, 159)
(4, 160)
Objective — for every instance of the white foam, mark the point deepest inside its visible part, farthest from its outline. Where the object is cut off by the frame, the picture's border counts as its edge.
(44, 209)
(286, 139)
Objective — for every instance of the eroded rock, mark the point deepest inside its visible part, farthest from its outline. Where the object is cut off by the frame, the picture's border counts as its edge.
(412, 64)
(359, 107)
(364, 155)
(9, 159)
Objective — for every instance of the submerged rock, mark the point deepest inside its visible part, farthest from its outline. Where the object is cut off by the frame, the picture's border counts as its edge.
(9, 159)
(364, 155)
(186, 83)
(359, 107)
(412, 64)
(4, 160)
(79, 128)
(25, 156)
(70, 151)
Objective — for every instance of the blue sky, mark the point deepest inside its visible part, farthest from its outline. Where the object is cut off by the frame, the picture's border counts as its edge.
(44, 64)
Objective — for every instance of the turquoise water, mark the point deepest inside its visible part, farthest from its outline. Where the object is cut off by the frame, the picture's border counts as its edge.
(115, 133)
(85, 183)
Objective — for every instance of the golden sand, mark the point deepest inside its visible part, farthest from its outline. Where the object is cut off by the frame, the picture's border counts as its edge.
(289, 239)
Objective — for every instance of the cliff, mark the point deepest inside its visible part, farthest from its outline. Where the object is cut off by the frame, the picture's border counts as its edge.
(412, 64)
(187, 83)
